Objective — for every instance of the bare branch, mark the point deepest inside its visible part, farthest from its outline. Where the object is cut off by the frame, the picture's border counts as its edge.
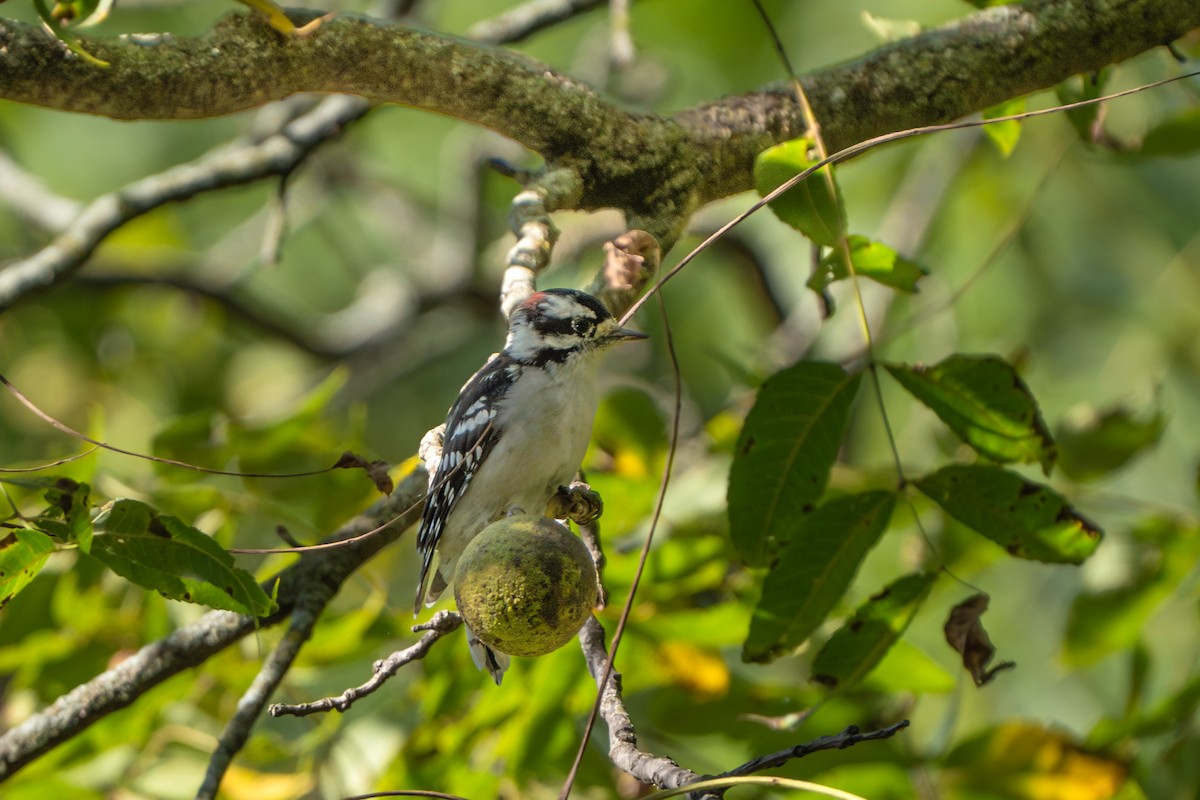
(657, 771)
(231, 166)
(440, 624)
(525, 20)
(847, 738)
(28, 196)
(250, 707)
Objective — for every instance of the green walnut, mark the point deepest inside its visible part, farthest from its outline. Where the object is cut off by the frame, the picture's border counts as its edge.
(525, 585)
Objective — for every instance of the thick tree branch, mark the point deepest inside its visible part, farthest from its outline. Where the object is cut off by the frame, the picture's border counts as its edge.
(639, 163)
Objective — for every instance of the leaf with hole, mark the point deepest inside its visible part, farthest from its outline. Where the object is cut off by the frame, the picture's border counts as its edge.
(784, 455)
(809, 207)
(1027, 519)
(23, 553)
(874, 260)
(861, 643)
(162, 553)
(985, 402)
(814, 572)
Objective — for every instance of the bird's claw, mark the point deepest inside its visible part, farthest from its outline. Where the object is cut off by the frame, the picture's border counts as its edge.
(577, 502)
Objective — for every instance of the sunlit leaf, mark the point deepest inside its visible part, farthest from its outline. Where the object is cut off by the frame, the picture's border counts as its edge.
(1027, 519)
(809, 207)
(861, 643)
(23, 553)
(1026, 760)
(985, 402)
(1005, 135)
(1095, 444)
(784, 454)
(160, 552)
(873, 260)
(1178, 136)
(814, 572)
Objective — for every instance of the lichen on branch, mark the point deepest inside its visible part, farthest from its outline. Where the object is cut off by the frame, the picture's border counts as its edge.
(643, 164)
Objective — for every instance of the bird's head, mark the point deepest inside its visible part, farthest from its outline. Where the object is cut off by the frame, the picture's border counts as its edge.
(553, 326)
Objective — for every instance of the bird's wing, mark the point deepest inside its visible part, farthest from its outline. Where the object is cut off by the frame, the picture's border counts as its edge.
(469, 438)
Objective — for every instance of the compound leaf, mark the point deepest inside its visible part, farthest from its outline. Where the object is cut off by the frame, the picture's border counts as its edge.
(162, 553)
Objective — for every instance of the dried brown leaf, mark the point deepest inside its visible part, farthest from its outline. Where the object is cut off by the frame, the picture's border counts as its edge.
(965, 633)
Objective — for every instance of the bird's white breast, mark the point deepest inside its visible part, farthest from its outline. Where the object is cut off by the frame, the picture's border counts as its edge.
(545, 424)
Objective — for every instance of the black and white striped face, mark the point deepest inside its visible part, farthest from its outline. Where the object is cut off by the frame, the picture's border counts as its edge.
(552, 326)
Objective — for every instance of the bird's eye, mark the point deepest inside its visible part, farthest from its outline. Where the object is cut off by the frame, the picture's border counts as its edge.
(581, 326)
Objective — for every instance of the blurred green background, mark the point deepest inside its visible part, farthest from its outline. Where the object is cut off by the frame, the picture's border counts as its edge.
(1080, 263)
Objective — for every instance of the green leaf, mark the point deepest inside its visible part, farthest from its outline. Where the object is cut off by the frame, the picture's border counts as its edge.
(859, 645)
(160, 552)
(1177, 136)
(23, 553)
(1005, 135)
(809, 207)
(814, 572)
(1027, 519)
(1094, 444)
(873, 260)
(985, 402)
(784, 454)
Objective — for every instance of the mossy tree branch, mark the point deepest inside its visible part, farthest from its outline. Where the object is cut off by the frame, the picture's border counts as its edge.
(643, 164)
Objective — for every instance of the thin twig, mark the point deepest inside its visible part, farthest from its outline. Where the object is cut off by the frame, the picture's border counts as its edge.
(440, 624)
(847, 738)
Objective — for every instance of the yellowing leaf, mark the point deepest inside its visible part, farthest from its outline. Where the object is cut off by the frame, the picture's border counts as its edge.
(700, 672)
(246, 784)
(1025, 760)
